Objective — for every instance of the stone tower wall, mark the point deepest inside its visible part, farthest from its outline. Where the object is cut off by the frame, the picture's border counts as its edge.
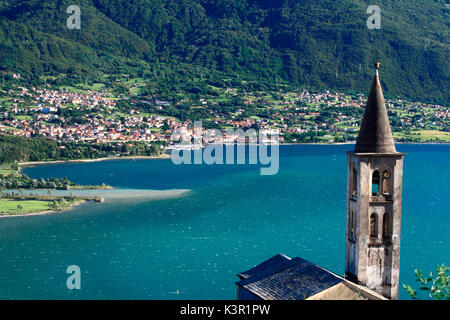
(373, 253)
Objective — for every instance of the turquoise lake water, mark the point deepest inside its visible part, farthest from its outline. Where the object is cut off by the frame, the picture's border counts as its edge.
(208, 223)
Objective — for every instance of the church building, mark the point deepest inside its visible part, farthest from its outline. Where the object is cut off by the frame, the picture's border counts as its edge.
(372, 250)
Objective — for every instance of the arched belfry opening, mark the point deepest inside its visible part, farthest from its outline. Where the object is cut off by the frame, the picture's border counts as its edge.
(352, 226)
(387, 182)
(386, 228)
(354, 181)
(375, 183)
(373, 226)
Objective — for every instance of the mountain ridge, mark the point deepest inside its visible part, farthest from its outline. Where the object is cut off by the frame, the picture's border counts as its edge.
(320, 44)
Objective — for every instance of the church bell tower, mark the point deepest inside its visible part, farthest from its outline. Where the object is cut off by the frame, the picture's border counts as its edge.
(374, 201)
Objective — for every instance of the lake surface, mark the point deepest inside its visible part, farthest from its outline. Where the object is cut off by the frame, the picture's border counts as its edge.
(211, 223)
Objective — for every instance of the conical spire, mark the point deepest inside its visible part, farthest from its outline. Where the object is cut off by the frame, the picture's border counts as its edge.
(375, 134)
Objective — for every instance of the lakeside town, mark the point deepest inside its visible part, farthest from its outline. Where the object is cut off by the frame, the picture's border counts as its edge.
(300, 116)
(97, 121)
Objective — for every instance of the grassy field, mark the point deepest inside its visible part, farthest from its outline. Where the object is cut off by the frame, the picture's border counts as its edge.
(424, 135)
(11, 207)
(23, 117)
(5, 169)
(10, 128)
(73, 89)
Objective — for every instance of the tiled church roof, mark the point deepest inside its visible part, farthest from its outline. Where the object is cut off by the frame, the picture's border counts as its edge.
(282, 278)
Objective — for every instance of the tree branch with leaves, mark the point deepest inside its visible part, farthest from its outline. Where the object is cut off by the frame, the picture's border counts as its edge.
(437, 286)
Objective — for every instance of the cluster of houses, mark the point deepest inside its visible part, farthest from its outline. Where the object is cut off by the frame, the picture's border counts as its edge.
(38, 111)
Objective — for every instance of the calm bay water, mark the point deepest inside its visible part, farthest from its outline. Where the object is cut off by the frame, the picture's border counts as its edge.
(231, 219)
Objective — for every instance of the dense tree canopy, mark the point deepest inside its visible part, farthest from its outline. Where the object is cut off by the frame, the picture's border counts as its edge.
(14, 148)
(320, 43)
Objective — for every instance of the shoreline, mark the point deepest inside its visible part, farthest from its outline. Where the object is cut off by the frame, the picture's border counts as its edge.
(33, 163)
(167, 155)
(44, 212)
(136, 194)
(164, 156)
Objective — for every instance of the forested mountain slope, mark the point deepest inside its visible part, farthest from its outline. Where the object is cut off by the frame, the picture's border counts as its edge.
(320, 43)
